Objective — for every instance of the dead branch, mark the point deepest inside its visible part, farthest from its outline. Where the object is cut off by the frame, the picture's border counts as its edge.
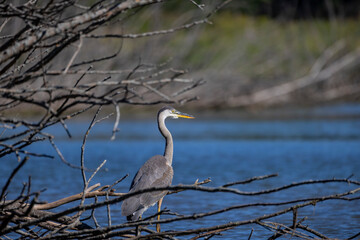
(197, 183)
(30, 77)
(319, 72)
(109, 231)
(79, 196)
(251, 180)
(43, 68)
(103, 14)
(37, 72)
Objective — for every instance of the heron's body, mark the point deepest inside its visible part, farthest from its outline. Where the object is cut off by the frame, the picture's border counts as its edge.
(156, 172)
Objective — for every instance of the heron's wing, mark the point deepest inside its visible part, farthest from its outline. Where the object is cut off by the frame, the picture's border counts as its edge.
(154, 173)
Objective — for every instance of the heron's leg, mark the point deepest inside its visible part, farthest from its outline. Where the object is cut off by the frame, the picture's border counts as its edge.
(138, 230)
(158, 217)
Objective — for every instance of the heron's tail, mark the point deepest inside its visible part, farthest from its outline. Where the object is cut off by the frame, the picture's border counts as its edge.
(129, 218)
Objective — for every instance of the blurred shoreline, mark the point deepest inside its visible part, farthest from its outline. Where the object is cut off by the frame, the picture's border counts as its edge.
(238, 56)
(325, 111)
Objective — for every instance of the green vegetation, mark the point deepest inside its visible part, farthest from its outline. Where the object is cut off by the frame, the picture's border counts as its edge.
(257, 47)
(260, 46)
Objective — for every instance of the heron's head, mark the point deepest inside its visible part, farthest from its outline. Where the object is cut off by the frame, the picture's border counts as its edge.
(173, 113)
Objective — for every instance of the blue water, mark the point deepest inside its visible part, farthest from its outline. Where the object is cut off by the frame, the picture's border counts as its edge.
(225, 151)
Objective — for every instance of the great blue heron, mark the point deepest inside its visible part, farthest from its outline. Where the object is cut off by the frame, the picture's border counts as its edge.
(156, 172)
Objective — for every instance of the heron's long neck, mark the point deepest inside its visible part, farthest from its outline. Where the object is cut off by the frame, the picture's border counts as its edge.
(169, 141)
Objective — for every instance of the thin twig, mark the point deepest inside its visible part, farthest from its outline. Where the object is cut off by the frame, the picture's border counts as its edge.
(74, 55)
(13, 173)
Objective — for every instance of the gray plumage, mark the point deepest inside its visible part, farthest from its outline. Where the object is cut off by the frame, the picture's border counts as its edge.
(156, 172)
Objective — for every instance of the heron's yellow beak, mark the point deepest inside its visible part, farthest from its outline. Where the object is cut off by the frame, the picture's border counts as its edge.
(184, 115)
